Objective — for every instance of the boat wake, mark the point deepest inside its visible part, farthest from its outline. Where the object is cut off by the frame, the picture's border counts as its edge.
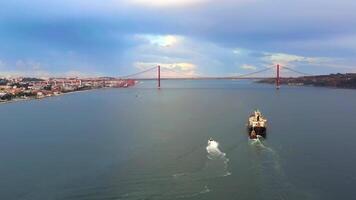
(259, 143)
(213, 150)
(215, 166)
(270, 155)
(192, 184)
(267, 162)
(218, 162)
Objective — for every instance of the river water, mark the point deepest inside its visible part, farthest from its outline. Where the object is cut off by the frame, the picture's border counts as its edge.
(145, 143)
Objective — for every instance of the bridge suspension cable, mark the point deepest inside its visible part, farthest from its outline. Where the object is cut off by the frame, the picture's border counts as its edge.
(252, 73)
(138, 73)
(238, 76)
(296, 71)
(180, 72)
(176, 72)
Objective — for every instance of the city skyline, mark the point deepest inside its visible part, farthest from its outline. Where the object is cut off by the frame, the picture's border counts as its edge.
(197, 37)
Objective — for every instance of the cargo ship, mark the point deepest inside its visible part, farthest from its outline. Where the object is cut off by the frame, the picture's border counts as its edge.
(257, 125)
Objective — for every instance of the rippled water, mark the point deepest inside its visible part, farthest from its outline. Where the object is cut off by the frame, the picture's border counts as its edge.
(144, 143)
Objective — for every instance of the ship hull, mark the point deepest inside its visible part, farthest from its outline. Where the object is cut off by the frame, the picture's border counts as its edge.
(261, 131)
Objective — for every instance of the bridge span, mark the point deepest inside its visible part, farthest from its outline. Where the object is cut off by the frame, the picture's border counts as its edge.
(158, 70)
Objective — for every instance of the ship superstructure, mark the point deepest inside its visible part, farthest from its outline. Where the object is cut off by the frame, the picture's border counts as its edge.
(257, 125)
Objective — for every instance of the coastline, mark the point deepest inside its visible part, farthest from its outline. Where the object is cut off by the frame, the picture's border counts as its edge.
(18, 100)
(309, 85)
(336, 81)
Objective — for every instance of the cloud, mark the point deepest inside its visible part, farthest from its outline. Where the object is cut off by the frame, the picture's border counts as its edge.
(289, 59)
(47, 74)
(308, 64)
(25, 73)
(22, 68)
(248, 67)
(168, 70)
(32, 68)
(111, 36)
(176, 66)
(160, 40)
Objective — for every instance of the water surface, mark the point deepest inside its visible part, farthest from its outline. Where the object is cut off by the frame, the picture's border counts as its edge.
(144, 143)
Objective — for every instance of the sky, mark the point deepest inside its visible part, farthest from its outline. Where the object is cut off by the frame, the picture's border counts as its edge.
(82, 38)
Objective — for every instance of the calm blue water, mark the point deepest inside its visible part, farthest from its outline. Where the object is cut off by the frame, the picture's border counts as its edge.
(144, 143)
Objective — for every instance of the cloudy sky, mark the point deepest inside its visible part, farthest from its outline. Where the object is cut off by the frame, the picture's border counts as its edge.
(194, 37)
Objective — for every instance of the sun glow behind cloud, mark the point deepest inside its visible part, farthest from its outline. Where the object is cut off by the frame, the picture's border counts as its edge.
(218, 37)
(169, 70)
(161, 40)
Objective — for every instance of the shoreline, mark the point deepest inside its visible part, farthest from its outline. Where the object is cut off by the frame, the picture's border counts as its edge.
(18, 100)
(309, 86)
(338, 81)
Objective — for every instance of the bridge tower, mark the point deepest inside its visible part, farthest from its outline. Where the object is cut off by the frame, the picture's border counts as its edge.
(159, 76)
(277, 77)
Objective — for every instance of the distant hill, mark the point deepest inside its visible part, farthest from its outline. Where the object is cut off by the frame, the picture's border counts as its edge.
(28, 79)
(347, 80)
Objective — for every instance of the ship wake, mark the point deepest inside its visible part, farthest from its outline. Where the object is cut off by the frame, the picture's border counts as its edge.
(258, 142)
(217, 161)
(267, 161)
(213, 150)
(191, 184)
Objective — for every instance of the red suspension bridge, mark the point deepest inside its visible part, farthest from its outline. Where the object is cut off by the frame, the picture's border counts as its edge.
(160, 73)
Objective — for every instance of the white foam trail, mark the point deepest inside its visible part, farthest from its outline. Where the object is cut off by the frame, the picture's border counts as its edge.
(219, 162)
(206, 190)
(214, 151)
(258, 142)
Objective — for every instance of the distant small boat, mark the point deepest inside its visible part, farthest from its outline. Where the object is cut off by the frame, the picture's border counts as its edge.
(257, 125)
